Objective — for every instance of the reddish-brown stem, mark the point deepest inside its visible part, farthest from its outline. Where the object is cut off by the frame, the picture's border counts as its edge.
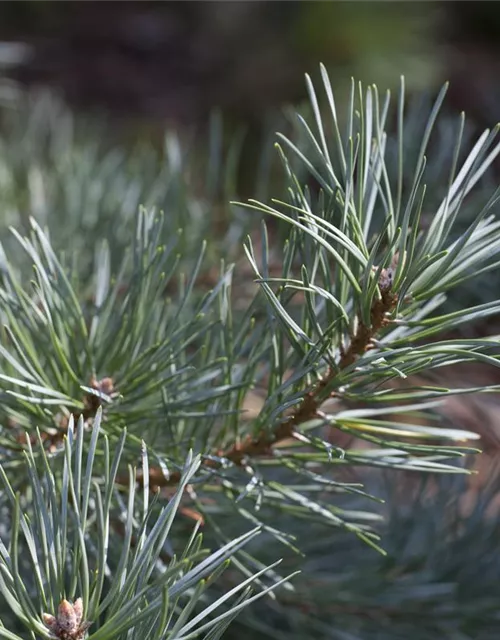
(262, 444)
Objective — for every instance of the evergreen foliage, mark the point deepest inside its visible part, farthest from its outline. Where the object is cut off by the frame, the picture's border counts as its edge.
(124, 382)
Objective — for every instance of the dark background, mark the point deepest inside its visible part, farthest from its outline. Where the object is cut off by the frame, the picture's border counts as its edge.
(175, 61)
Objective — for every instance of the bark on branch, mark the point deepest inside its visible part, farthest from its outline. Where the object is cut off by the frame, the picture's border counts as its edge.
(262, 445)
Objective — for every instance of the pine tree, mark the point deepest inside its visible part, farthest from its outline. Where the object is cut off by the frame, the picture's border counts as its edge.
(147, 400)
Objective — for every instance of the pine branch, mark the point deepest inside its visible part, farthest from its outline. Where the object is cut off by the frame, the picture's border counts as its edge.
(261, 445)
(176, 372)
(79, 541)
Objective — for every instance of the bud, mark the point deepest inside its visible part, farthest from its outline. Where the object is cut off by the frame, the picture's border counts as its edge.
(49, 621)
(66, 617)
(387, 275)
(68, 624)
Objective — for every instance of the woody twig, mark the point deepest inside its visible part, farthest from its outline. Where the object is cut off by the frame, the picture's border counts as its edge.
(262, 444)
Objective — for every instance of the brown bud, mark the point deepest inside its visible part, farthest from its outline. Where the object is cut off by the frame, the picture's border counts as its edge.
(78, 609)
(387, 275)
(68, 624)
(49, 621)
(66, 617)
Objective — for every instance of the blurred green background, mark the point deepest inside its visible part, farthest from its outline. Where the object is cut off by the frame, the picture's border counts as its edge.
(147, 66)
(174, 61)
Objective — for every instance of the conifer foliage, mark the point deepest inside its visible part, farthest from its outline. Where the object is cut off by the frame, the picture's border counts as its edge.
(125, 381)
